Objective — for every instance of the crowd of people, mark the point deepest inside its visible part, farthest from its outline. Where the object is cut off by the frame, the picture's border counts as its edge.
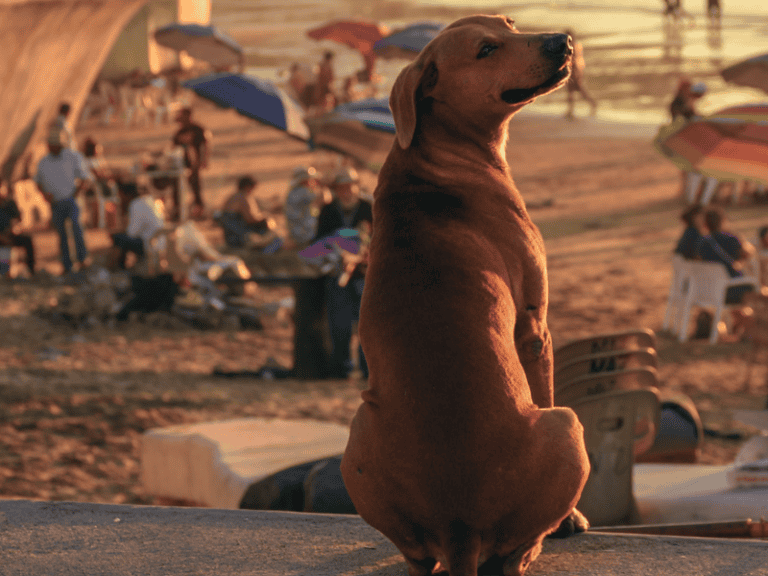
(136, 211)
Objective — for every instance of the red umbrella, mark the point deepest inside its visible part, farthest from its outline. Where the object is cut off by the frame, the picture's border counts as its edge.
(731, 144)
(358, 34)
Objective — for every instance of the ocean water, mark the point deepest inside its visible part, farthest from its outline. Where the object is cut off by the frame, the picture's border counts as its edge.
(635, 56)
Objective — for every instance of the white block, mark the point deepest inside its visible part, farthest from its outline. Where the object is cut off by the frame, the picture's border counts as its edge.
(214, 463)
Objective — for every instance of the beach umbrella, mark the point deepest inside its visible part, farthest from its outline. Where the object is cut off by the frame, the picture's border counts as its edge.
(752, 73)
(407, 42)
(255, 98)
(357, 34)
(731, 144)
(373, 113)
(206, 43)
(362, 129)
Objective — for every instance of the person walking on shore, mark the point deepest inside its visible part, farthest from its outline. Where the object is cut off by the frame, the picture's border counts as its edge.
(194, 139)
(576, 81)
(61, 175)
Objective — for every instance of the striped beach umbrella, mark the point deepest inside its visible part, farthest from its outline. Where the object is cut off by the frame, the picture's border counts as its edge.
(206, 43)
(752, 73)
(255, 98)
(407, 42)
(731, 144)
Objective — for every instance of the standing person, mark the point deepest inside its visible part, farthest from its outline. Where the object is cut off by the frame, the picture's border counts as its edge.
(576, 81)
(324, 97)
(302, 205)
(683, 107)
(310, 357)
(194, 139)
(61, 175)
(102, 200)
(713, 9)
(347, 210)
(61, 125)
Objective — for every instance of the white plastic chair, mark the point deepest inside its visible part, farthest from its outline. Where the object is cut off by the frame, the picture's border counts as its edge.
(707, 287)
(678, 288)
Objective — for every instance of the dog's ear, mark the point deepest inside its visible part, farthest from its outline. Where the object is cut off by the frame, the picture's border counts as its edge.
(413, 83)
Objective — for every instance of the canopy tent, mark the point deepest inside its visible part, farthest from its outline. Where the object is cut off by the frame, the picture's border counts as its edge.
(52, 51)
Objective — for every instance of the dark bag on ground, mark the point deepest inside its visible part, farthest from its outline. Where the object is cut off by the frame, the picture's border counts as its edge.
(150, 295)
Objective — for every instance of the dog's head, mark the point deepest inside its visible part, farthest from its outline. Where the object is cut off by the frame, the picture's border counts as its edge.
(482, 68)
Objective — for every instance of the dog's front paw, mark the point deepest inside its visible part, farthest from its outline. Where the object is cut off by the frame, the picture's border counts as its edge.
(574, 523)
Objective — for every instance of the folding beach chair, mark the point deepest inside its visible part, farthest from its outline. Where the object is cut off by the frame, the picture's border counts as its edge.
(610, 436)
(624, 340)
(609, 361)
(592, 384)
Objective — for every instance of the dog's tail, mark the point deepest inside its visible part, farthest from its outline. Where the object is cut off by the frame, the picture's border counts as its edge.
(462, 550)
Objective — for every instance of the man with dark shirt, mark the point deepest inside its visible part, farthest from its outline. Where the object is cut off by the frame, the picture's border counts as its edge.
(347, 210)
(194, 139)
(727, 249)
(9, 215)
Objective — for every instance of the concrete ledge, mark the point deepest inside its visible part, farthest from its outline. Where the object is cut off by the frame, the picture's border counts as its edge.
(64, 538)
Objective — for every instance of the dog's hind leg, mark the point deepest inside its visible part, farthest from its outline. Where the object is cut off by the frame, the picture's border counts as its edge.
(420, 567)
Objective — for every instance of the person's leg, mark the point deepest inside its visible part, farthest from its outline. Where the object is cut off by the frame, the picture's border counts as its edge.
(81, 251)
(571, 102)
(692, 185)
(195, 186)
(310, 357)
(358, 285)
(59, 213)
(340, 319)
(25, 241)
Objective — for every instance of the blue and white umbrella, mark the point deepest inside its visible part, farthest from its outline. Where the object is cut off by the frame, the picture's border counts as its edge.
(206, 43)
(407, 42)
(255, 98)
(371, 112)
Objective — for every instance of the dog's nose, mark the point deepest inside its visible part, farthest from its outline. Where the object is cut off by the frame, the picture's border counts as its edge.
(557, 45)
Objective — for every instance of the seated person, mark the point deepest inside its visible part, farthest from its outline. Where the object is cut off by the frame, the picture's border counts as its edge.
(693, 217)
(9, 222)
(728, 249)
(244, 224)
(103, 195)
(146, 217)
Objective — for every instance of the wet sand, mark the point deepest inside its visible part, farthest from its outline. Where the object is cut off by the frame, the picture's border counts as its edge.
(634, 54)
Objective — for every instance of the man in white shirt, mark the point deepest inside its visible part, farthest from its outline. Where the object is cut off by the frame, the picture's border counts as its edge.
(146, 217)
(61, 175)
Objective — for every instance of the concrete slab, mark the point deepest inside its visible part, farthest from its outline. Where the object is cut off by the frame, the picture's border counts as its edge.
(65, 539)
(213, 463)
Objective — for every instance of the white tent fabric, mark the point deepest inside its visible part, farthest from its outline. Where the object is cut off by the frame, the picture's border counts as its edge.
(52, 52)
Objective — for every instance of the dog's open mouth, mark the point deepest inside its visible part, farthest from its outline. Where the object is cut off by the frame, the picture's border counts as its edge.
(515, 96)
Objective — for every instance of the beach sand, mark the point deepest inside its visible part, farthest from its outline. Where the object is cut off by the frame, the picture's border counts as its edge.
(607, 207)
(73, 403)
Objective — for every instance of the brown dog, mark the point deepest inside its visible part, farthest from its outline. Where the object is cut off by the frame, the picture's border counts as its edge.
(456, 453)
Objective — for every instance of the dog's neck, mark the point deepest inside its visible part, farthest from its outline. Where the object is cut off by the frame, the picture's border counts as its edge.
(451, 141)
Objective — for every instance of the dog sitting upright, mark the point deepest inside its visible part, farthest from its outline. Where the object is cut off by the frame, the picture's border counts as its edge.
(457, 454)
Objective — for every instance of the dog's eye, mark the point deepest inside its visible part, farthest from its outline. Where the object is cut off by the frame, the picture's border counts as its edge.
(486, 50)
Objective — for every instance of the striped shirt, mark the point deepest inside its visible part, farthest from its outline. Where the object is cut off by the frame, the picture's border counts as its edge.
(56, 174)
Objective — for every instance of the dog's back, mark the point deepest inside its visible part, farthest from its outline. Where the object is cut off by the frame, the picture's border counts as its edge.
(455, 453)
